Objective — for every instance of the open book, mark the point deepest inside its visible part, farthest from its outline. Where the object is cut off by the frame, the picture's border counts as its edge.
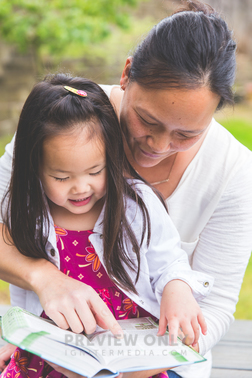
(99, 354)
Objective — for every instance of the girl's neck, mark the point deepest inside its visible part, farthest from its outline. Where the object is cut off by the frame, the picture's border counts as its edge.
(76, 222)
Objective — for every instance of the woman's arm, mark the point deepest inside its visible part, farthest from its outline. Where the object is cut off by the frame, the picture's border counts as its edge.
(223, 251)
(69, 303)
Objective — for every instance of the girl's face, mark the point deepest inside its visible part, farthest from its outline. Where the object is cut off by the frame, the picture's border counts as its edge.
(159, 123)
(73, 171)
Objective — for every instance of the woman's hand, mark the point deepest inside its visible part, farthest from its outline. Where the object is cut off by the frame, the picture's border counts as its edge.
(5, 354)
(71, 303)
(179, 309)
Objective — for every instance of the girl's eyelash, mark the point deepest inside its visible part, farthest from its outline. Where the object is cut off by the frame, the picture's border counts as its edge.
(60, 179)
(96, 173)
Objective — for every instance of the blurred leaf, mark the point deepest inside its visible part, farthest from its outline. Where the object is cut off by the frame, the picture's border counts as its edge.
(51, 26)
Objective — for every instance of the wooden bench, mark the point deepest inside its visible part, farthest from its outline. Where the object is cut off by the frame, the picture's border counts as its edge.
(232, 356)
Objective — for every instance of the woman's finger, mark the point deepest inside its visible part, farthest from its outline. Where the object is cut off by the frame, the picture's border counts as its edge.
(104, 317)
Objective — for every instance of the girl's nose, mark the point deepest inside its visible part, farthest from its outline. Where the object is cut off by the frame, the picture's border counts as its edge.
(81, 186)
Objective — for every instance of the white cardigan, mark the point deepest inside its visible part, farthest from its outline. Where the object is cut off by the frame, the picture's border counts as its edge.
(212, 211)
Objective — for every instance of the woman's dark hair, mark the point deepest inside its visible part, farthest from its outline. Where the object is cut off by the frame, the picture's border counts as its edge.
(190, 49)
(51, 110)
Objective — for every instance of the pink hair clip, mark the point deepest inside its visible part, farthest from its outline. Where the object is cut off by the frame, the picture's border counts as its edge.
(76, 91)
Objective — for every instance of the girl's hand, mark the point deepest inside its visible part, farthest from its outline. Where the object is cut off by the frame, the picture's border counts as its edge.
(5, 354)
(179, 309)
(73, 304)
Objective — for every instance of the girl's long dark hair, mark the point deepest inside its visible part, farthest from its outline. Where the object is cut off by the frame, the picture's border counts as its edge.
(50, 110)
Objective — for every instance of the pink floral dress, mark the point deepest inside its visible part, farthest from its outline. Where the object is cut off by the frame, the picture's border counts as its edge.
(79, 260)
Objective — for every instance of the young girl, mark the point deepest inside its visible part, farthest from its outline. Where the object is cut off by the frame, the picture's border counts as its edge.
(69, 202)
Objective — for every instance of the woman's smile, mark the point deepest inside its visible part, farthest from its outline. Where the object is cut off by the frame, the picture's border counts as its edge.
(154, 155)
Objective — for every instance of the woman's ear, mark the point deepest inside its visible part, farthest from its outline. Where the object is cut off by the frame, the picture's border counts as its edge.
(125, 74)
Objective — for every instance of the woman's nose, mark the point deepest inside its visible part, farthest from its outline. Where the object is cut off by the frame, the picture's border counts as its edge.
(159, 143)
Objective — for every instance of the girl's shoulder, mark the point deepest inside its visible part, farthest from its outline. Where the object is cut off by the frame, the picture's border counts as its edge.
(149, 197)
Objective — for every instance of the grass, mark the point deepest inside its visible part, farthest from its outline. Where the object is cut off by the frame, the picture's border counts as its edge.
(239, 123)
(3, 141)
(244, 306)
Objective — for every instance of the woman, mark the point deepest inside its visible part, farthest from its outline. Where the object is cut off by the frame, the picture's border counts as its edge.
(179, 75)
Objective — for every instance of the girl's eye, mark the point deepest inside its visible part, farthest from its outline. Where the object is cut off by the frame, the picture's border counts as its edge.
(61, 179)
(96, 173)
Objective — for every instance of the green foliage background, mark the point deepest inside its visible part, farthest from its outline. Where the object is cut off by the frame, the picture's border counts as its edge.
(57, 28)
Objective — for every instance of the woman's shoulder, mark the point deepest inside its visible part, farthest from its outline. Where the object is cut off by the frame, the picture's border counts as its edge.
(115, 94)
(222, 155)
(225, 147)
(107, 88)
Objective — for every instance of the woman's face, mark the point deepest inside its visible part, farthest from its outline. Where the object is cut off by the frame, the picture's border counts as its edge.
(159, 122)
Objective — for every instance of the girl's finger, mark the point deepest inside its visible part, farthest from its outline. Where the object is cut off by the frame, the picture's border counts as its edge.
(196, 329)
(162, 327)
(188, 332)
(202, 323)
(173, 326)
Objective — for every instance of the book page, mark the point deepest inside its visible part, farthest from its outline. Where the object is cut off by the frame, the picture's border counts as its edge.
(38, 336)
(139, 346)
(139, 349)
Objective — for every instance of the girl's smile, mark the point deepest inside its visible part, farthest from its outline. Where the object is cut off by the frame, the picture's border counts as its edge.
(80, 202)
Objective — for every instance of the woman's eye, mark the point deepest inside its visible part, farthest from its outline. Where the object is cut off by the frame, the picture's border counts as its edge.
(146, 122)
(183, 136)
(61, 179)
